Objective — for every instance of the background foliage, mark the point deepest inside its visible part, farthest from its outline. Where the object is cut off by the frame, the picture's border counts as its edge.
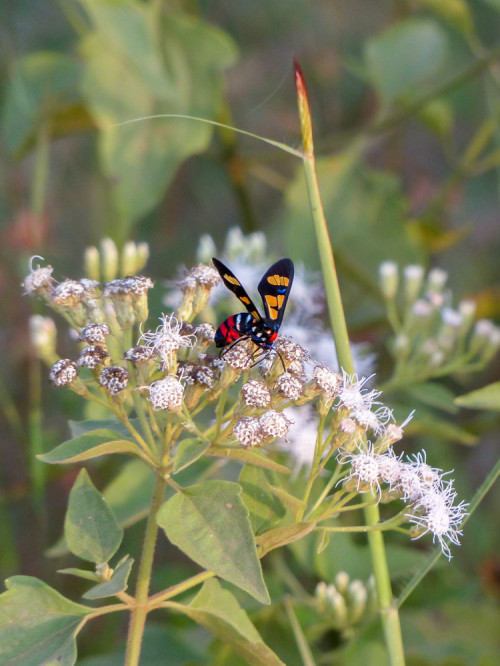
(406, 99)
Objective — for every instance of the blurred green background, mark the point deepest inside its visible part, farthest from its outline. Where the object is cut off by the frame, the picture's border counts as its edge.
(405, 97)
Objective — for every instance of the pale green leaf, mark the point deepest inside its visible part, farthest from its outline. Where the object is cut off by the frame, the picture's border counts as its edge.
(37, 625)
(90, 527)
(117, 583)
(78, 428)
(405, 57)
(90, 445)
(42, 86)
(435, 395)
(428, 423)
(265, 508)
(248, 457)
(210, 524)
(134, 68)
(487, 397)
(218, 611)
(360, 204)
(188, 451)
(80, 573)
(457, 12)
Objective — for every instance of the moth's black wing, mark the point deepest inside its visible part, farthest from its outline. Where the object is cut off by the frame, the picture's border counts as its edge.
(234, 285)
(274, 288)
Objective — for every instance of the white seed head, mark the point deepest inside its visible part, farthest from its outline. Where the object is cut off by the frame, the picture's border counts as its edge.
(166, 393)
(290, 386)
(274, 424)
(255, 394)
(328, 381)
(249, 432)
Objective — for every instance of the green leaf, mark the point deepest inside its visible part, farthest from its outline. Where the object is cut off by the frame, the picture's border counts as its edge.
(90, 445)
(80, 573)
(43, 86)
(210, 523)
(37, 625)
(218, 611)
(290, 501)
(128, 496)
(136, 67)
(78, 428)
(405, 57)
(265, 509)
(90, 527)
(188, 451)
(428, 423)
(117, 583)
(359, 203)
(435, 395)
(280, 536)
(457, 12)
(248, 457)
(487, 397)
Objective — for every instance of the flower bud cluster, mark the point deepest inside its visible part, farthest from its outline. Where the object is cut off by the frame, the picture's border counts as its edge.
(431, 334)
(346, 603)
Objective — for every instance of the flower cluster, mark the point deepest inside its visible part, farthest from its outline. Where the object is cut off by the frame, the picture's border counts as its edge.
(431, 336)
(288, 395)
(429, 498)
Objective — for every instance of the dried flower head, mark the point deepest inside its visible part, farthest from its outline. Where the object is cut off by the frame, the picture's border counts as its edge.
(255, 394)
(63, 372)
(140, 354)
(94, 334)
(201, 275)
(114, 379)
(197, 374)
(290, 350)
(240, 356)
(39, 280)
(68, 294)
(92, 356)
(205, 334)
(133, 285)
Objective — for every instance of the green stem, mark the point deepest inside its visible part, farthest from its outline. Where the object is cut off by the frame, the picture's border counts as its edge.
(174, 590)
(302, 644)
(138, 617)
(389, 613)
(388, 609)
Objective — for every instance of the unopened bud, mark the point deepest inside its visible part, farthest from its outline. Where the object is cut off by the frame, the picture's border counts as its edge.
(414, 276)
(388, 274)
(43, 338)
(436, 279)
(92, 263)
(109, 259)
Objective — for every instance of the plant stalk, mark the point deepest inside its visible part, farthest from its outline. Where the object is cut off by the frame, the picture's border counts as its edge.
(389, 612)
(140, 611)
